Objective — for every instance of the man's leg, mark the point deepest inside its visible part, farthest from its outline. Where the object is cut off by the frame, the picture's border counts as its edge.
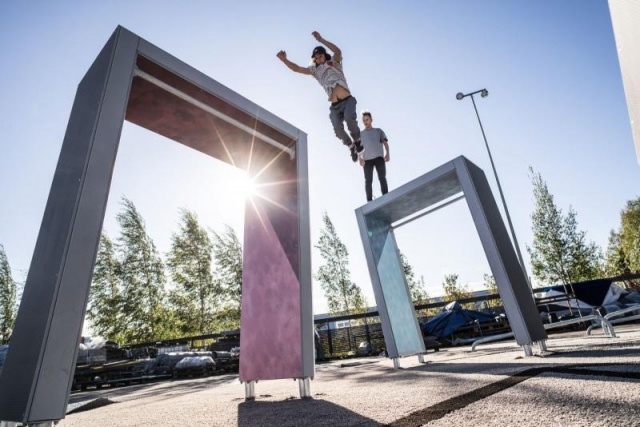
(337, 120)
(368, 179)
(351, 118)
(336, 114)
(381, 170)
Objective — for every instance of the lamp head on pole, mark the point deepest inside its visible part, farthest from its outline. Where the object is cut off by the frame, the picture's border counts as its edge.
(483, 93)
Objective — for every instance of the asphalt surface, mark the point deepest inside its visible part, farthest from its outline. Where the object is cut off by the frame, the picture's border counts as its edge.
(579, 381)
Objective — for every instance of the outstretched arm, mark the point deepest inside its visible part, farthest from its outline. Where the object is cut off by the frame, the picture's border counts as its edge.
(337, 53)
(282, 55)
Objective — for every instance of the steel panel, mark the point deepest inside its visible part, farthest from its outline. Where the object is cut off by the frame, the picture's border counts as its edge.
(37, 375)
(375, 219)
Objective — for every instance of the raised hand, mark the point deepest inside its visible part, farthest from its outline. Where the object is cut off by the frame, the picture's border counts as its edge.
(317, 35)
(282, 55)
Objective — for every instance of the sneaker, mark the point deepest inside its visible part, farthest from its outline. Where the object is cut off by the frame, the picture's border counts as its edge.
(359, 147)
(354, 152)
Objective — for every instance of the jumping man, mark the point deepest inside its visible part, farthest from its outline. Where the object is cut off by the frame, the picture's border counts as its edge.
(328, 71)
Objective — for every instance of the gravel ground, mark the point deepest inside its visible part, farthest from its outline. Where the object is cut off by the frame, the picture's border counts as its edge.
(579, 381)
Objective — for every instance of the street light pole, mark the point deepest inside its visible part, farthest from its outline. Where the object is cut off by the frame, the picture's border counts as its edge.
(484, 93)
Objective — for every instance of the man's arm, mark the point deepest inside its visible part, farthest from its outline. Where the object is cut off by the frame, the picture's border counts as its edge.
(282, 55)
(337, 53)
(386, 150)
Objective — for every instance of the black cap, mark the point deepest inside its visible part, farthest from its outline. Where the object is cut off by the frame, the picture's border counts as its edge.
(319, 49)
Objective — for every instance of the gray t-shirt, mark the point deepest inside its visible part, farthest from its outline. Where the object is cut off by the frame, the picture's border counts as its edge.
(372, 140)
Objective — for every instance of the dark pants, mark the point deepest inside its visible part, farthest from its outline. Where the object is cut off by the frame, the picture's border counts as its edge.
(342, 112)
(381, 170)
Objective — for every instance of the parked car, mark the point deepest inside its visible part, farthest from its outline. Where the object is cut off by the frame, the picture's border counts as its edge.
(165, 363)
(226, 361)
(194, 366)
(365, 349)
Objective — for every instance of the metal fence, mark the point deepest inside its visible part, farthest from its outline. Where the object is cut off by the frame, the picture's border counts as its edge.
(357, 337)
(342, 335)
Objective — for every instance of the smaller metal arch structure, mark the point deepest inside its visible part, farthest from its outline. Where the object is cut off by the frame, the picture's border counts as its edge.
(437, 189)
(133, 80)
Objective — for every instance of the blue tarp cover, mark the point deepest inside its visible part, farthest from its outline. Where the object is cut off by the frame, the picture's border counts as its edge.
(593, 292)
(452, 318)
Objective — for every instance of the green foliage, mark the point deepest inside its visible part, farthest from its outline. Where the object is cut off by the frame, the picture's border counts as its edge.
(105, 296)
(630, 234)
(8, 295)
(623, 249)
(227, 318)
(189, 262)
(586, 256)
(491, 286)
(453, 291)
(143, 279)
(128, 299)
(560, 252)
(343, 296)
(227, 253)
(417, 289)
(615, 258)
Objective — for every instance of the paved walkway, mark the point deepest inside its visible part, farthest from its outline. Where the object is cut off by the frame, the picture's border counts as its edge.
(579, 381)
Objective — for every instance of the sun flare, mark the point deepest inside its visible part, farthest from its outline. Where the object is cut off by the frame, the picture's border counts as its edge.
(248, 187)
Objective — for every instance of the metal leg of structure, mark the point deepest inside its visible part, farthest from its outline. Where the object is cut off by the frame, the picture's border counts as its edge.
(542, 345)
(490, 338)
(250, 390)
(305, 388)
(396, 362)
(609, 318)
(421, 358)
(528, 352)
(609, 328)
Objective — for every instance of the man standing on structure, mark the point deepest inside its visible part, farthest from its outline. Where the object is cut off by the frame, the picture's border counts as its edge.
(376, 153)
(328, 71)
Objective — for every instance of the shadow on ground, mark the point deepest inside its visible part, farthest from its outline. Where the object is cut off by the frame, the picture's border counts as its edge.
(167, 389)
(297, 412)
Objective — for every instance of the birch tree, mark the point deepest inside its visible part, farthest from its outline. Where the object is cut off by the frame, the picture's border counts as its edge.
(343, 295)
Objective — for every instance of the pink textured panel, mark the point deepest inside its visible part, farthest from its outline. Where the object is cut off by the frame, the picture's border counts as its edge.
(270, 337)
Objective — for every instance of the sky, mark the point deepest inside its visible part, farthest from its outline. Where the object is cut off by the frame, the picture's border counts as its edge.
(556, 104)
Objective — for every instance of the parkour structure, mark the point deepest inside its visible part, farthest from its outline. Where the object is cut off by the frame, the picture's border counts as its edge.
(133, 80)
(428, 193)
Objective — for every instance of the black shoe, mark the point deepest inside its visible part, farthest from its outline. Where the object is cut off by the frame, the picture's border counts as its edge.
(354, 152)
(359, 147)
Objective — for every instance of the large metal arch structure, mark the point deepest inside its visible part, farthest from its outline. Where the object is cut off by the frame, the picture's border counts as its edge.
(131, 79)
(436, 189)
(624, 20)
